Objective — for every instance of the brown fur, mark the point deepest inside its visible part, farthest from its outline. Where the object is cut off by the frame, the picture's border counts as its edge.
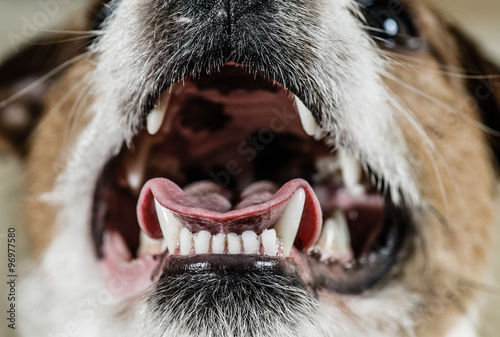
(60, 125)
(461, 160)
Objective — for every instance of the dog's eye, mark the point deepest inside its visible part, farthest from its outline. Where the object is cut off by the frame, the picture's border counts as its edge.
(390, 24)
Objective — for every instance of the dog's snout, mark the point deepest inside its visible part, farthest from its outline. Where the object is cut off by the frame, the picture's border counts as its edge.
(205, 34)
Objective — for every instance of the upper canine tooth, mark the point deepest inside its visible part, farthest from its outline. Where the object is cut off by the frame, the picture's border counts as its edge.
(186, 242)
(202, 242)
(156, 116)
(170, 227)
(269, 242)
(351, 172)
(150, 246)
(308, 122)
(251, 242)
(155, 120)
(287, 225)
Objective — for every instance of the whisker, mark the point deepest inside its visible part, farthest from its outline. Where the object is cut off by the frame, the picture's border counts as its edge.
(41, 80)
(443, 105)
(380, 39)
(73, 32)
(379, 30)
(79, 38)
(432, 210)
(373, 29)
(449, 70)
(77, 112)
(484, 287)
(82, 84)
(434, 153)
(429, 146)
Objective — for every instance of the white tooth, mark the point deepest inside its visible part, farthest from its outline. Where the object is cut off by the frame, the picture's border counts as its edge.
(170, 227)
(218, 243)
(134, 177)
(155, 120)
(150, 246)
(186, 242)
(202, 242)
(288, 224)
(157, 114)
(251, 242)
(269, 242)
(335, 238)
(233, 243)
(327, 241)
(344, 238)
(308, 122)
(351, 172)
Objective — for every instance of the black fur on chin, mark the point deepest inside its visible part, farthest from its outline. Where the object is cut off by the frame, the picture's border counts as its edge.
(261, 302)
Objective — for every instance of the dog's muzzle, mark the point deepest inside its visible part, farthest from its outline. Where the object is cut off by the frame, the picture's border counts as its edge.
(232, 182)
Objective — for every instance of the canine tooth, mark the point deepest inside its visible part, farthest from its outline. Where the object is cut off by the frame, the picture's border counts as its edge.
(308, 122)
(156, 116)
(155, 120)
(344, 240)
(351, 172)
(327, 240)
(170, 227)
(218, 243)
(186, 242)
(233, 243)
(335, 238)
(150, 246)
(251, 242)
(288, 224)
(269, 242)
(202, 242)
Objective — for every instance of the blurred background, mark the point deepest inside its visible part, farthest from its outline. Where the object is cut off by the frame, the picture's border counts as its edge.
(479, 18)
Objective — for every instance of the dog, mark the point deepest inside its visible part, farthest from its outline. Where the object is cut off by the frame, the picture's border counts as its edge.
(254, 168)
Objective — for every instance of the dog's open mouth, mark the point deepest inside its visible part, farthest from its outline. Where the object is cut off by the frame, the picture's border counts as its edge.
(230, 172)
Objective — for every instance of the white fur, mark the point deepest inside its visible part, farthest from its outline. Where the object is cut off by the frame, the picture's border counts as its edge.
(464, 328)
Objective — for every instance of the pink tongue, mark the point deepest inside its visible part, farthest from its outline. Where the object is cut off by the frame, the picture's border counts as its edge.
(206, 206)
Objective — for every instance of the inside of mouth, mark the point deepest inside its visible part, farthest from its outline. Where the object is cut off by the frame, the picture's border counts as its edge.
(237, 130)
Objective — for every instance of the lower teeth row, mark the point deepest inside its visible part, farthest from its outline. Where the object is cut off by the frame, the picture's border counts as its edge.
(205, 243)
(247, 243)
